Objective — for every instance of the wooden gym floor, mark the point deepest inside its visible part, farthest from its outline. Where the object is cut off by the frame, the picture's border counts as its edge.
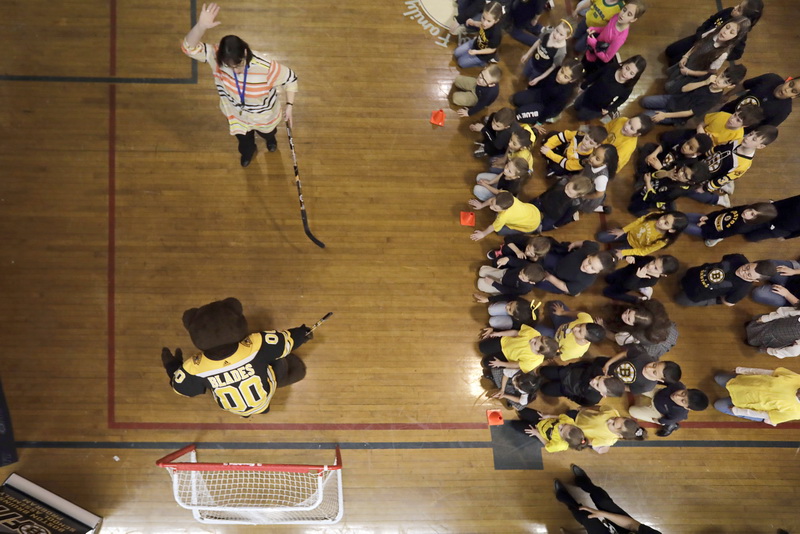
(123, 203)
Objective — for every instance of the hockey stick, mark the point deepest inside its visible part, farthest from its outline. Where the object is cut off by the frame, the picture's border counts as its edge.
(316, 241)
(315, 325)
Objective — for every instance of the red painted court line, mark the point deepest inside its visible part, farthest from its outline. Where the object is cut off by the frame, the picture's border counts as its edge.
(298, 426)
(112, 179)
(112, 208)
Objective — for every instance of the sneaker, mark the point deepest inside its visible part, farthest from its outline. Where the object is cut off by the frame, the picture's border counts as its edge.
(728, 188)
(711, 242)
(492, 254)
(479, 152)
(646, 292)
(551, 120)
(583, 128)
(724, 201)
(550, 5)
(603, 209)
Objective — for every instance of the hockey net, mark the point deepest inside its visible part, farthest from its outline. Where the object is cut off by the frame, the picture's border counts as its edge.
(256, 494)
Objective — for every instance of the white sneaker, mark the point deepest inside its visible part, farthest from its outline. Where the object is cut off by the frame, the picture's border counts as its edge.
(724, 201)
(712, 242)
(728, 188)
(583, 128)
(647, 292)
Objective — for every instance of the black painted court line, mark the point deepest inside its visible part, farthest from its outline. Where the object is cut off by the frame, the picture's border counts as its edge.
(191, 80)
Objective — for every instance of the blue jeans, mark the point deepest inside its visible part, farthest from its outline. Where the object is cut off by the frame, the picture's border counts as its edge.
(659, 103)
(705, 197)
(692, 229)
(764, 295)
(464, 59)
(725, 405)
(557, 320)
(480, 192)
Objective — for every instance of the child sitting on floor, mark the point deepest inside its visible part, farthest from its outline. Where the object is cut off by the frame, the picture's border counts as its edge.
(473, 95)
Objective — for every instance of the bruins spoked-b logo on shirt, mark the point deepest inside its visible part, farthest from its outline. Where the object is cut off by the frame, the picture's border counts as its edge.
(626, 372)
(712, 276)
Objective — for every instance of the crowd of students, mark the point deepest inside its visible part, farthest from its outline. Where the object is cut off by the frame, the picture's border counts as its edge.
(533, 348)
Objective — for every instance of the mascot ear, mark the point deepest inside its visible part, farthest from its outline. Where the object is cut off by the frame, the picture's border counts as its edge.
(188, 316)
(234, 304)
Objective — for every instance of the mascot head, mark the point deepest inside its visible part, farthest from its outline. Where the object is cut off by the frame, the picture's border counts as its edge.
(217, 328)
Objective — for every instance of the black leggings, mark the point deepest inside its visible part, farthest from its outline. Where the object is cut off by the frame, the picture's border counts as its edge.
(247, 142)
(602, 501)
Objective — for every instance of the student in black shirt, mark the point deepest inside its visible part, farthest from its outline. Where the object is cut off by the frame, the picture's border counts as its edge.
(609, 88)
(473, 95)
(668, 406)
(653, 157)
(512, 281)
(772, 94)
(549, 97)
(581, 382)
(659, 189)
(495, 133)
(724, 282)
(573, 267)
(639, 276)
(695, 99)
(638, 370)
(785, 226)
(562, 200)
(752, 9)
(720, 224)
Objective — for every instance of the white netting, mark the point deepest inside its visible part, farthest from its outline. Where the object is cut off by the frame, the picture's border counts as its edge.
(260, 495)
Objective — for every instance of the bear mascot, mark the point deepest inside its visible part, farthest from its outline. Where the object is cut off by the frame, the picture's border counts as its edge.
(242, 369)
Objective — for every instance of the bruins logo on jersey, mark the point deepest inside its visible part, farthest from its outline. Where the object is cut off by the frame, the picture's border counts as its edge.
(717, 158)
(748, 100)
(726, 220)
(626, 372)
(715, 275)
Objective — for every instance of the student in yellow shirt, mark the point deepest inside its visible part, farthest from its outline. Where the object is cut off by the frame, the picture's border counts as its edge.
(624, 133)
(519, 146)
(772, 397)
(556, 432)
(722, 127)
(603, 426)
(524, 349)
(574, 331)
(646, 234)
(726, 127)
(567, 150)
(513, 216)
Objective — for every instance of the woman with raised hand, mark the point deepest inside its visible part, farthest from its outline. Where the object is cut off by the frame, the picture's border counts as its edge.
(247, 83)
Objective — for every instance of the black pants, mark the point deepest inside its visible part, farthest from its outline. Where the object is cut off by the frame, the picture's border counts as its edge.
(602, 501)
(676, 50)
(553, 387)
(247, 142)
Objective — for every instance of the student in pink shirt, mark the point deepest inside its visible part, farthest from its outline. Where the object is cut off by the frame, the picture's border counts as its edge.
(602, 44)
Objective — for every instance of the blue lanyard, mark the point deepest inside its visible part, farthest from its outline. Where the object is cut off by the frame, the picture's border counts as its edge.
(241, 90)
